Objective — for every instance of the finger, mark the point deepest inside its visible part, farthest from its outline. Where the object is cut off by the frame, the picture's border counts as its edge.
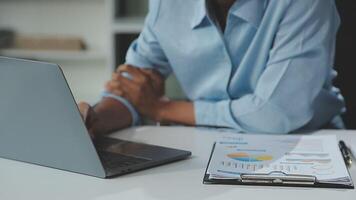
(135, 73)
(132, 74)
(115, 76)
(124, 94)
(84, 110)
(118, 92)
(109, 87)
(127, 89)
(87, 115)
(113, 84)
(114, 87)
(126, 83)
(120, 83)
(124, 67)
(152, 73)
(156, 80)
(121, 88)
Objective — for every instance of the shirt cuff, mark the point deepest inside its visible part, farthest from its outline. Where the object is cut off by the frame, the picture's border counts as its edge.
(216, 114)
(134, 115)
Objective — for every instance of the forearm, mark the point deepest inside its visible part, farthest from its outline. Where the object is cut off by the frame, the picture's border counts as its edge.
(181, 112)
(112, 115)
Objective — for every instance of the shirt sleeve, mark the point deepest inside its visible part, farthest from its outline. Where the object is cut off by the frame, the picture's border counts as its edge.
(145, 52)
(299, 64)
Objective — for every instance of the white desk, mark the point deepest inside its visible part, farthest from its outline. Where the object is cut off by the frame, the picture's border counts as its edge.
(181, 180)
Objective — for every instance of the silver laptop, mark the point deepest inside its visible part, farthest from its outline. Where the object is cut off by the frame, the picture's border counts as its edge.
(40, 123)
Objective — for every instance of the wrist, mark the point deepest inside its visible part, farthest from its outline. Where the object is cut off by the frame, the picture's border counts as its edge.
(159, 109)
(110, 115)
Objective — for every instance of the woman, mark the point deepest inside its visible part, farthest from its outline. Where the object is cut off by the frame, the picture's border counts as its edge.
(251, 65)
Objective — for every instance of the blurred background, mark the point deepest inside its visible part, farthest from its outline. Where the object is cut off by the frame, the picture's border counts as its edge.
(89, 38)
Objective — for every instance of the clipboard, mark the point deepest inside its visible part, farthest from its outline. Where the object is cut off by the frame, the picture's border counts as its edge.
(275, 178)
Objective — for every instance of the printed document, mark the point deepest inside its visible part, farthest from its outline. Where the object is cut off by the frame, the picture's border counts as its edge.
(317, 156)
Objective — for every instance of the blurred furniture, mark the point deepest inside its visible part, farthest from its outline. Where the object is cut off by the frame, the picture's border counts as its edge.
(346, 59)
(126, 22)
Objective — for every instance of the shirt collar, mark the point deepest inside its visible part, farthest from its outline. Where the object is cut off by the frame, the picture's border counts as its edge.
(200, 13)
(249, 10)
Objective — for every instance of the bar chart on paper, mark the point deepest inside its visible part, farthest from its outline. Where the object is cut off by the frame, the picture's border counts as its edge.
(290, 155)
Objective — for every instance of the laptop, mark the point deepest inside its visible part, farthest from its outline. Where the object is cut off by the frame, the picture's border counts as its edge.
(40, 124)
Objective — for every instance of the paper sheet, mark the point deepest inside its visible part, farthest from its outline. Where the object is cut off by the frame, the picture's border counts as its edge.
(317, 156)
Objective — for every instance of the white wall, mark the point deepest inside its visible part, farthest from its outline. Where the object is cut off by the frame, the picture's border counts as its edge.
(85, 79)
(86, 18)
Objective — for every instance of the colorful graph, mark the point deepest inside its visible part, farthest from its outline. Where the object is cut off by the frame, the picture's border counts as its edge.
(245, 157)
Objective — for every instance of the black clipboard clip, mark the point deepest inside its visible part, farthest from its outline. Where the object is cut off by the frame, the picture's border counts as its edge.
(278, 178)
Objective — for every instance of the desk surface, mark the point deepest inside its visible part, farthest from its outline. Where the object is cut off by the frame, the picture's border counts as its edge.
(181, 180)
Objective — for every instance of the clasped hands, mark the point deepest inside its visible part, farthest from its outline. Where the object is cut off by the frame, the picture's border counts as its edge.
(144, 89)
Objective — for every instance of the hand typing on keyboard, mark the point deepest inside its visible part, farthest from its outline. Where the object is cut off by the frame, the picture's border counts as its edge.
(89, 117)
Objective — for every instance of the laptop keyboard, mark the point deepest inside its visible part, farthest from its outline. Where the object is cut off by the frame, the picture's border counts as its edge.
(115, 160)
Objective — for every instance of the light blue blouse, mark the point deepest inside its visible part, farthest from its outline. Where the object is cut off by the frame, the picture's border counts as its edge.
(270, 71)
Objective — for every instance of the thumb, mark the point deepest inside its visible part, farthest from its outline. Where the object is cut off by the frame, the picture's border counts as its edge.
(86, 112)
(84, 109)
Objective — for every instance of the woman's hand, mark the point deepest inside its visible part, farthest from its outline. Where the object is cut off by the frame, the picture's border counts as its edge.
(144, 89)
(89, 117)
